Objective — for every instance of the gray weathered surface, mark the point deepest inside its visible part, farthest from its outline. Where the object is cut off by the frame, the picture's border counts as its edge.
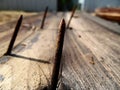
(115, 27)
(30, 68)
(92, 57)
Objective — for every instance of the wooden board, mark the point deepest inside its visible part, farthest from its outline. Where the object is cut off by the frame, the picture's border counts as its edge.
(30, 68)
(91, 57)
(90, 60)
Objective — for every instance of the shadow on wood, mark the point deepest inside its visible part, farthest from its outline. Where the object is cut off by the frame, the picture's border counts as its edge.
(29, 58)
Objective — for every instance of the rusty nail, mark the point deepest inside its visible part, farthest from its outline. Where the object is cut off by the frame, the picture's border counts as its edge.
(73, 11)
(14, 35)
(44, 17)
(58, 55)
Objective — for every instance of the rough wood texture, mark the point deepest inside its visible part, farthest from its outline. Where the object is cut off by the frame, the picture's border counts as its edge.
(92, 57)
(28, 69)
(29, 25)
(114, 27)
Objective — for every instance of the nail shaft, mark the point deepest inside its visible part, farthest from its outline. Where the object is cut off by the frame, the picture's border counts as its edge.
(14, 36)
(58, 55)
(73, 11)
(44, 17)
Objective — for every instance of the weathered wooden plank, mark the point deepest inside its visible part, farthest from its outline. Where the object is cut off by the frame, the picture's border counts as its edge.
(91, 56)
(114, 27)
(105, 46)
(30, 68)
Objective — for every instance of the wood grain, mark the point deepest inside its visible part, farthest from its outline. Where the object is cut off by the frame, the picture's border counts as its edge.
(92, 61)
